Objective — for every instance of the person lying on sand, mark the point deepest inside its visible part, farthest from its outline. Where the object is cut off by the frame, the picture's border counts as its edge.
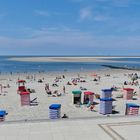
(82, 80)
(82, 88)
(55, 93)
(54, 85)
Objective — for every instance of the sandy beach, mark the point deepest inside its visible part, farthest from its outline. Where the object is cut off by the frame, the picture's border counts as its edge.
(10, 100)
(69, 59)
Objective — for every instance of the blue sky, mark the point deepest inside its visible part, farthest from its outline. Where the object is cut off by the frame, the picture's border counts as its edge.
(69, 27)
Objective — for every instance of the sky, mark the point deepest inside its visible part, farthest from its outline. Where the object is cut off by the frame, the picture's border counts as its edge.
(69, 27)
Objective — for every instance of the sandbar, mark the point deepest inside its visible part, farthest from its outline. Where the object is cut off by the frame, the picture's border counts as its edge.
(70, 59)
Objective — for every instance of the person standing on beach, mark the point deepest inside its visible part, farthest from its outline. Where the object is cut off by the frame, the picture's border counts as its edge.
(63, 76)
(1, 88)
(46, 87)
(64, 89)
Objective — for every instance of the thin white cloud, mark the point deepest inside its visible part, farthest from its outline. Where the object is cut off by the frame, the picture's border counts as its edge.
(85, 13)
(46, 13)
(121, 3)
(100, 18)
(71, 39)
(118, 3)
(42, 13)
(77, 0)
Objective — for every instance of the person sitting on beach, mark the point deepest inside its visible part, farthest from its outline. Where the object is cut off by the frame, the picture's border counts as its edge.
(64, 116)
(55, 93)
(95, 79)
(59, 94)
(91, 107)
(29, 90)
(82, 88)
(82, 80)
(8, 86)
(74, 82)
(48, 92)
(46, 86)
(97, 96)
(68, 83)
(40, 81)
(125, 83)
(63, 76)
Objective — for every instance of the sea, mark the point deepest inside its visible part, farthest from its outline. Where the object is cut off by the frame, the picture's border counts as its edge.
(7, 65)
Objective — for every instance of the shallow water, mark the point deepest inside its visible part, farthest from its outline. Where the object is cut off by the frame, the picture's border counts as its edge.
(16, 66)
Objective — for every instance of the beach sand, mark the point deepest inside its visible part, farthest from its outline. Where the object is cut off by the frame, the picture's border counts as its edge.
(10, 100)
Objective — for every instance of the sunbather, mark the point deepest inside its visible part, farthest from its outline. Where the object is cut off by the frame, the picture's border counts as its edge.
(54, 85)
(82, 88)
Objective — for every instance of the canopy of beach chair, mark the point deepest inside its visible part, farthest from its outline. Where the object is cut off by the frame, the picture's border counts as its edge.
(88, 93)
(107, 90)
(128, 89)
(132, 105)
(76, 92)
(3, 112)
(55, 106)
(24, 92)
(21, 81)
